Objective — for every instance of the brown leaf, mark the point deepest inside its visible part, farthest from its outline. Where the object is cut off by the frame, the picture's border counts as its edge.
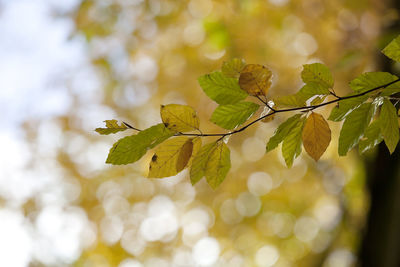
(316, 135)
(184, 155)
(255, 79)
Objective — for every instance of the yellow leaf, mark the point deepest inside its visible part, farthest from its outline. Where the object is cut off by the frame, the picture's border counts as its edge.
(179, 118)
(255, 79)
(171, 157)
(112, 126)
(316, 135)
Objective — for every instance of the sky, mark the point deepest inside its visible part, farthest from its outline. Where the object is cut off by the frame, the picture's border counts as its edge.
(37, 54)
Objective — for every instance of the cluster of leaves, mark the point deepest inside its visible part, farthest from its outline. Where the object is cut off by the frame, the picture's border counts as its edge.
(368, 113)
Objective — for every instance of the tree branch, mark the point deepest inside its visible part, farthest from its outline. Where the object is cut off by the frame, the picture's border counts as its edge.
(274, 111)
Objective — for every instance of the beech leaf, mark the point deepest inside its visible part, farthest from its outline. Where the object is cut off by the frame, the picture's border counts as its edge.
(389, 125)
(282, 131)
(131, 148)
(354, 127)
(371, 80)
(218, 165)
(291, 146)
(255, 79)
(392, 50)
(233, 115)
(222, 89)
(112, 126)
(371, 138)
(171, 157)
(316, 135)
(345, 107)
(179, 118)
(233, 67)
(317, 73)
(199, 163)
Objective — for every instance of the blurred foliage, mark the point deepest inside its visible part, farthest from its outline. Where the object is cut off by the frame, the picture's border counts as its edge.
(147, 53)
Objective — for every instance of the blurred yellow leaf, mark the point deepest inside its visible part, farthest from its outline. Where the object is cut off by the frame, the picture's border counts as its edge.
(316, 135)
(255, 79)
(179, 118)
(171, 157)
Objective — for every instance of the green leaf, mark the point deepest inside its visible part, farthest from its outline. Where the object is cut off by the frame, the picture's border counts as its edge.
(112, 127)
(389, 125)
(218, 165)
(345, 107)
(371, 138)
(311, 89)
(371, 80)
(233, 115)
(317, 73)
(317, 100)
(392, 50)
(291, 147)
(306, 92)
(179, 118)
(290, 101)
(131, 148)
(199, 163)
(171, 157)
(233, 67)
(354, 127)
(222, 89)
(282, 131)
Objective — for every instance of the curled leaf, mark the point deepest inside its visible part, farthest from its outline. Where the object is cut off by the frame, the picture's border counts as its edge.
(255, 79)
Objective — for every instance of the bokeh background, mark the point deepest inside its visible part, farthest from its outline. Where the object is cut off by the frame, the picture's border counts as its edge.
(66, 66)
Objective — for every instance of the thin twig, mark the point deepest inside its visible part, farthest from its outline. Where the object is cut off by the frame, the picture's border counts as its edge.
(259, 98)
(131, 127)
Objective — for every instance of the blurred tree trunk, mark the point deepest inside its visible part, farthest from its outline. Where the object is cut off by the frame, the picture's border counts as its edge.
(381, 241)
